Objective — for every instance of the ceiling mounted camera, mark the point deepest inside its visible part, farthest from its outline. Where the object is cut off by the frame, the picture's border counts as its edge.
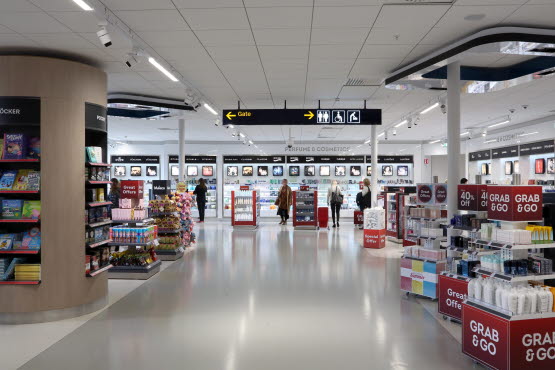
(217, 122)
(132, 60)
(103, 35)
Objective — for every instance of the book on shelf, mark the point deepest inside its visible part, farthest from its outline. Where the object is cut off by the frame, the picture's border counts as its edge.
(31, 210)
(15, 146)
(6, 241)
(7, 180)
(31, 239)
(8, 272)
(94, 154)
(12, 209)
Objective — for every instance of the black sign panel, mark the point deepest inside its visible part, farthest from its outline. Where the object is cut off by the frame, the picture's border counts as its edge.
(95, 117)
(325, 159)
(254, 159)
(161, 187)
(193, 159)
(542, 147)
(505, 152)
(479, 156)
(392, 159)
(400, 189)
(352, 116)
(134, 159)
(19, 111)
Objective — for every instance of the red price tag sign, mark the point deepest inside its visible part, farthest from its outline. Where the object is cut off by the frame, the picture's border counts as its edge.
(244, 187)
(303, 188)
(451, 294)
(485, 337)
(472, 197)
(515, 203)
(132, 189)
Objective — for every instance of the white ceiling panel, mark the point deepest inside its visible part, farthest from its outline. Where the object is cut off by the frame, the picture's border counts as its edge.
(17, 6)
(282, 37)
(385, 51)
(394, 36)
(289, 69)
(208, 4)
(418, 52)
(216, 19)
(180, 55)
(492, 2)
(220, 53)
(4, 29)
(329, 68)
(153, 20)
(323, 88)
(444, 36)
(15, 41)
(357, 92)
(455, 17)
(246, 68)
(138, 4)
(61, 40)
(31, 22)
(410, 16)
(344, 16)
(283, 52)
(52, 5)
(537, 15)
(225, 37)
(277, 3)
(352, 36)
(176, 39)
(77, 21)
(318, 52)
(280, 17)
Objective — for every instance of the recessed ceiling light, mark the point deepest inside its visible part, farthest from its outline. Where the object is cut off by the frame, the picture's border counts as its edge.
(474, 17)
(83, 5)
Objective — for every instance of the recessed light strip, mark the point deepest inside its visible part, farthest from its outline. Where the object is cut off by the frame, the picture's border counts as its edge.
(162, 69)
(210, 109)
(530, 133)
(430, 108)
(499, 124)
(435, 141)
(83, 5)
(401, 123)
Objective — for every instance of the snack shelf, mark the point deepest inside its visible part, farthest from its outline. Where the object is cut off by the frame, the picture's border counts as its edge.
(169, 254)
(20, 282)
(92, 164)
(135, 272)
(511, 278)
(20, 251)
(115, 244)
(169, 231)
(98, 204)
(98, 244)
(93, 182)
(19, 191)
(99, 271)
(101, 223)
(139, 221)
(31, 221)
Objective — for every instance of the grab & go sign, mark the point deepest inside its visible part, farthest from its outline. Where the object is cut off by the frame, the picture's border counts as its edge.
(515, 203)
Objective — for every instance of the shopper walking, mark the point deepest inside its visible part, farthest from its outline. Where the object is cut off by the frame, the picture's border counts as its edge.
(335, 200)
(366, 201)
(114, 194)
(284, 201)
(200, 192)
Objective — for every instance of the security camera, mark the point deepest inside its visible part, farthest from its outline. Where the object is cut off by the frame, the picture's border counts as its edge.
(409, 123)
(290, 142)
(385, 137)
(443, 107)
(512, 110)
(104, 36)
(524, 106)
(394, 132)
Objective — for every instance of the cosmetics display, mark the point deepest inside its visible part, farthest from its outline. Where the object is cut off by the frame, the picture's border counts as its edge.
(246, 208)
(211, 196)
(305, 206)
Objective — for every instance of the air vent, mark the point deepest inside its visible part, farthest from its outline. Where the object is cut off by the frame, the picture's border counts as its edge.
(359, 82)
(419, 2)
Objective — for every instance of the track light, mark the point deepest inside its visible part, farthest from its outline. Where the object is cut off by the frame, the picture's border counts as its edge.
(132, 60)
(394, 132)
(385, 135)
(103, 35)
(162, 69)
(83, 5)
(435, 105)
(210, 109)
(230, 126)
(233, 134)
(217, 122)
(250, 142)
(435, 141)
(241, 134)
(416, 120)
(409, 123)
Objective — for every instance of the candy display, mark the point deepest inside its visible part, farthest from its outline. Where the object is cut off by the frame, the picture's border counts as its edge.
(128, 258)
(162, 206)
(168, 223)
(129, 214)
(184, 202)
(140, 234)
(169, 242)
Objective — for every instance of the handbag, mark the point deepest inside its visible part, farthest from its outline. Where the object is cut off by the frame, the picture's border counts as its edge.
(336, 197)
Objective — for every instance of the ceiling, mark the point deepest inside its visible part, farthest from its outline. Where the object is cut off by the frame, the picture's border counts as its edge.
(263, 52)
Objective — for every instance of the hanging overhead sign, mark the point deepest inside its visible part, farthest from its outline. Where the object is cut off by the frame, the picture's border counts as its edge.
(541, 147)
(325, 159)
(392, 159)
(505, 152)
(479, 156)
(302, 117)
(135, 159)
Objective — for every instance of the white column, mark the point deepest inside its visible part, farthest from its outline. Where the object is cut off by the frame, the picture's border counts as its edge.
(374, 164)
(220, 185)
(453, 134)
(181, 149)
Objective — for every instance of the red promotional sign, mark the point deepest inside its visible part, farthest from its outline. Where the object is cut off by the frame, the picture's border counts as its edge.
(533, 344)
(472, 197)
(303, 187)
(451, 294)
(244, 187)
(358, 218)
(132, 189)
(374, 239)
(485, 337)
(424, 193)
(515, 203)
(440, 193)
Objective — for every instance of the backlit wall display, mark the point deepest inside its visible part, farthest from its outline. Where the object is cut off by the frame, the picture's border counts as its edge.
(340, 170)
(277, 170)
(387, 170)
(175, 170)
(551, 166)
(368, 170)
(119, 171)
(151, 171)
(247, 171)
(294, 170)
(402, 170)
(192, 171)
(208, 171)
(136, 171)
(356, 171)
(324, 170)
(232, 171)
(509, 168)
(262, 170)
(309, 170)
(540, 166)
(516, 166)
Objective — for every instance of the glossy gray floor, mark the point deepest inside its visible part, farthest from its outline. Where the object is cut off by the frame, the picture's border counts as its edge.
(264, 300)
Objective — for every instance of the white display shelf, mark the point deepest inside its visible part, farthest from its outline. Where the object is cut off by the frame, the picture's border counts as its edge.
(511, 278)
(507, 313)
(495, 244)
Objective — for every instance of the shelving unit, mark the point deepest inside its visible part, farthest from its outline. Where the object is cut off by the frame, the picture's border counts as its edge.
(305, 209)
(245, 209)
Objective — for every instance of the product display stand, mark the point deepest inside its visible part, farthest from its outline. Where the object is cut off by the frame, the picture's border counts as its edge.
(374, 228)
(245, 209)
(174, 251)
(305, 206)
